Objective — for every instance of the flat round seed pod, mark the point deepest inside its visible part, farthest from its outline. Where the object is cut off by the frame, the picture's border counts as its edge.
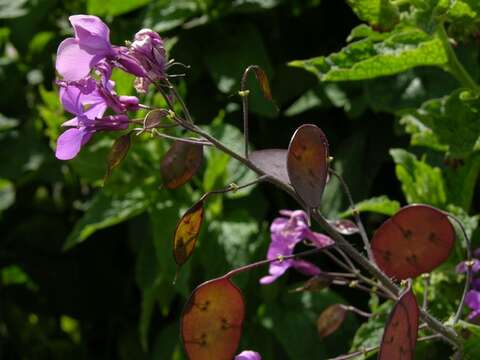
(415, 240)
(273, 162)
(180, 163)
(212, 320)
(400, 334)
(307, 163)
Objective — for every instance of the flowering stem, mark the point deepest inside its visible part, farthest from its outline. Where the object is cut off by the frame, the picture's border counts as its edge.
(468, 279)
(447, 332)
(356, 215)
(357, 311)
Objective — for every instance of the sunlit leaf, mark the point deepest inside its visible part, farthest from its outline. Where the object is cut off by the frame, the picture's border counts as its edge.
(379, 13)
(7, 194)
(212, 320)
(307, 163)
(273, 162)
(416, 240)
(400, 334)
(380, 205)
(331, 319)
(369, 58)
(186, 233)
(180, 163)
(117, 153)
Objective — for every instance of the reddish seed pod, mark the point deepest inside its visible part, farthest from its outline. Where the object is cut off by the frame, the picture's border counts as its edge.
(307, 163)
(400, 334)
(212, 320)
(416, 240)
(180, 163)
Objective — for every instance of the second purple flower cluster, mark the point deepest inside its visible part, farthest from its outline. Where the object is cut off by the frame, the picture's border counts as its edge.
(472, 298)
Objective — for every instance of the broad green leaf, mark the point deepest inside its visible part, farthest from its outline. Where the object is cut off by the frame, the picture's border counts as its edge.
(221, 170)
(461, 178)
(7, 123)
(421, 183)
(294, 318)
(235, 48)
(7, 194)
(471, 346)
(12, 8)
(165, 15)
(379, 13)
(380, 205)
(108, 210)
(449, 123)
(368, 58)
(113, 7)
(15, 275)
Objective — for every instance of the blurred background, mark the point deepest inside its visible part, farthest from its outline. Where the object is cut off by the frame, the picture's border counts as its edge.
(86, 270)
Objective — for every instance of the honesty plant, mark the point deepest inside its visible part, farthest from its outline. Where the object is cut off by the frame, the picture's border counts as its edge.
(413, 242)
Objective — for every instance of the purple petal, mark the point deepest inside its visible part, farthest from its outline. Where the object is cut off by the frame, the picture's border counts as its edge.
(476, 253)
(266, 280)
(318, 240)
(248, 355)
(71, 122)
(73, 62)
(70, 142)
(70, 99)
(92, 33)
(462, 267)
(306, 268)
(472, 299)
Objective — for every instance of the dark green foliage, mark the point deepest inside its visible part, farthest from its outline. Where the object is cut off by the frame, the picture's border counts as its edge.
(86, 270)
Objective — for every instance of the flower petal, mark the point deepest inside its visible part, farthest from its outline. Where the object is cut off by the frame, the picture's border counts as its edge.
(92, 33)
(74, 63)
(306, 268)
(70, 142)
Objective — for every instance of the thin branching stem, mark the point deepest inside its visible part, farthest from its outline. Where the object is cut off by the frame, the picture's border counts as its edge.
(356, 215)
(447, 332)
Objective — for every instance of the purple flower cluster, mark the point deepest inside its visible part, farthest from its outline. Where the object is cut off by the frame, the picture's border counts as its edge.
(85, 63)
(472, 298)
(286, 232)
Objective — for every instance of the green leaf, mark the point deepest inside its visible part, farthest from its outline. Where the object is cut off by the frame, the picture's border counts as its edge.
(379, 13)
(221, 169)
(108, 210)
(380, 205)
(421, 183)
(12, 8)
(370, 333)
(471, 346)
(234, 49)
(7, 194)
(403, 49)
(113, 7)
(7, 123)
(461, 179)
(449, 123)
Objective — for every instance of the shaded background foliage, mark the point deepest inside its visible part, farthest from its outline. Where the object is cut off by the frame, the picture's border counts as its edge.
(86, 270)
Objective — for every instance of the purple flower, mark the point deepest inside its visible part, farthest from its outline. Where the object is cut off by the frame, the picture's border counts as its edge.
(148, 48)
(286, 232)
(462, 267)
(86, 100)
(248, 355)
(91, 44)
(472, 299)
(77, 56)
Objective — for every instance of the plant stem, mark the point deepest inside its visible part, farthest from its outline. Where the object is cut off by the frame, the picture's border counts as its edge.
(448, 333)
(454, 66)
(244, 94)
(376, 347)
(356, 215)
